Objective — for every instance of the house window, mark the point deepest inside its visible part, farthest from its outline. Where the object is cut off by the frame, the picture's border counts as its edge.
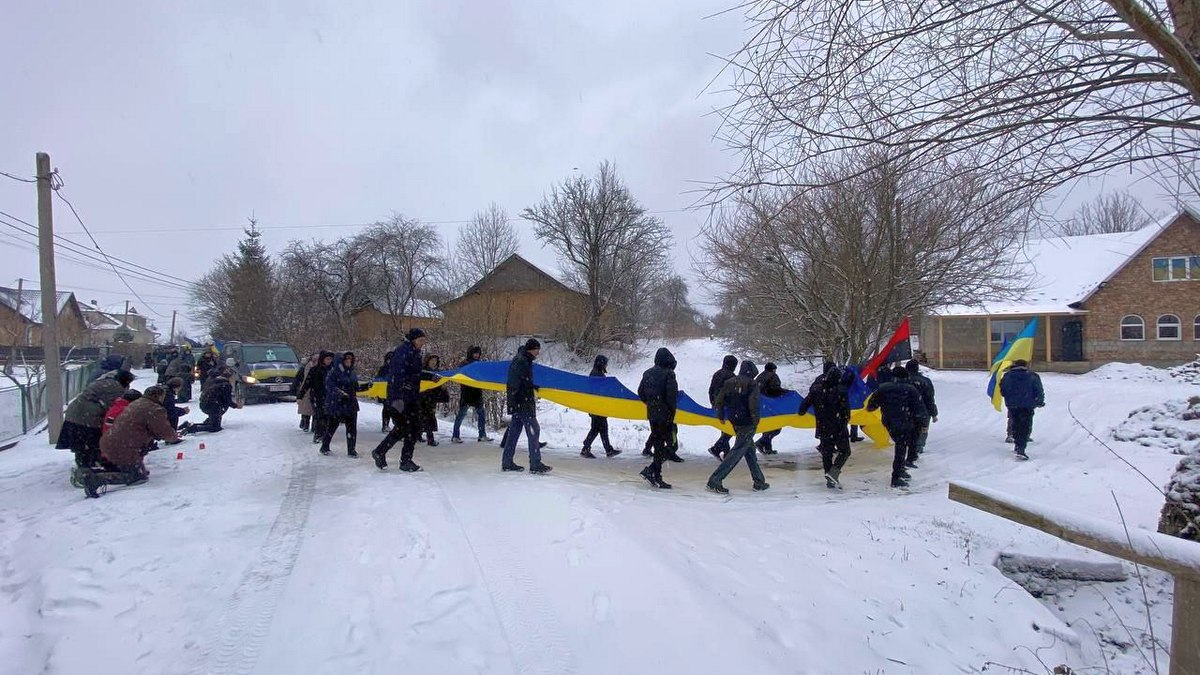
(1175, 268)
(1006, 330)
(1133, 328)
(1196, 328)
(1194, 262)
(1168, 327)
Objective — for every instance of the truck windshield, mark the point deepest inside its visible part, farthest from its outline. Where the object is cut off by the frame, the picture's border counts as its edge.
(268, 354)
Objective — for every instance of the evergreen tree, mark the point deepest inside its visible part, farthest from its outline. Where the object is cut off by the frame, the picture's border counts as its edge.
(236, 298)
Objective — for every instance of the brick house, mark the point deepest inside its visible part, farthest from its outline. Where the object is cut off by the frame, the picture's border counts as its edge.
(21, 319)
(1127, 297)
(516, 299)
(105, 326)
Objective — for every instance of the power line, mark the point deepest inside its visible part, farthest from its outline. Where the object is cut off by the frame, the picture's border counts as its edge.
(17, 178)
(28, 246)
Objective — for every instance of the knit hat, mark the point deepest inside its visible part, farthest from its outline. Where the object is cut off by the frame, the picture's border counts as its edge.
(414, 334)
(913, 366)
(900, 373)
(770, 367)
(532, 344)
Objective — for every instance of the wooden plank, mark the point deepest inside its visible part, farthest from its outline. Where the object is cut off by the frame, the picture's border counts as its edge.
(1185, 630)
(1169, 554)
(1049, 347)
(987, 340)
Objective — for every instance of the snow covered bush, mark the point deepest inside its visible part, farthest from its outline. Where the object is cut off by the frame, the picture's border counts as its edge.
(1181, 512)
(1188, 372)
(1173, 425)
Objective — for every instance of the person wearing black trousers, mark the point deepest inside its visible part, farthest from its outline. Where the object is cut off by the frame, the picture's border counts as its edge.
(341, 404)
(404, 394)
(382, 374)
(902, 406)
(829, 402)
(599, 424)
(314, 386)
(659, 390)
(728, 370)
(769, 386)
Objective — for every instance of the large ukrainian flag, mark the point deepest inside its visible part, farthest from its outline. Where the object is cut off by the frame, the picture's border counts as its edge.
(1020, 349)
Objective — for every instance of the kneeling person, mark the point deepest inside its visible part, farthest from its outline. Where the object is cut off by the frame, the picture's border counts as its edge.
(140, 424)
(215, 400)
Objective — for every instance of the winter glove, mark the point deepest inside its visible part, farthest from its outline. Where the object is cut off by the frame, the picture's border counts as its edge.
(397, 405)
(935, 419)
(721, 419)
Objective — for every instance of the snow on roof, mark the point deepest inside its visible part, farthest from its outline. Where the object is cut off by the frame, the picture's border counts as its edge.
(1064, 271)
(29, 304)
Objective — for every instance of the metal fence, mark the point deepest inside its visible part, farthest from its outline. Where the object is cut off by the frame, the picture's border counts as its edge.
(23, 399)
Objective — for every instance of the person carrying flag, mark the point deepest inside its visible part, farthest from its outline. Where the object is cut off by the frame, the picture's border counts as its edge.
(1022, 392)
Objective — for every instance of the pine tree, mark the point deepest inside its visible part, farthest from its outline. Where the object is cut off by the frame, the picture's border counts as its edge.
(236, 298)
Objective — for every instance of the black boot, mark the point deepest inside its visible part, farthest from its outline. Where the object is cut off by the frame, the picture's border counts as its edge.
(380, 460)
(648, 474)
(513, 467)
(409, 466)
(587, 452)
(541, 468)
(611, 452)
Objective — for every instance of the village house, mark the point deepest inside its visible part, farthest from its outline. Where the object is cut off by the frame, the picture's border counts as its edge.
(106, 327)
(1126, 297)
(21, 319)
(517, 299)
(372, 321)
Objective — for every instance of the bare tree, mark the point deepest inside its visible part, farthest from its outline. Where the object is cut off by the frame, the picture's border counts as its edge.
(404, 264)
(837, 267)
(1107, 214)
(1042, 91)
(675, 314)
(488, 240)
(604, 239)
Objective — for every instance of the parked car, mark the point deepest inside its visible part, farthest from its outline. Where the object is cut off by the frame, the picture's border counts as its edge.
(266, 369)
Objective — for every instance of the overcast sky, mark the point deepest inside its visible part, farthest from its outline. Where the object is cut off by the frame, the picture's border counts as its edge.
(172, 122)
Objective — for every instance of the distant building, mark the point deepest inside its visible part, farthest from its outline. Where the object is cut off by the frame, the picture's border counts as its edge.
(21, 319)
(1128, 297)
(106, 327)
(371, 321)
(516, 298)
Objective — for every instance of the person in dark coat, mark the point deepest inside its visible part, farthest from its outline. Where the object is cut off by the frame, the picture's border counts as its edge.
(303, 402)
(430, 398)
(404, 394)
(599, 424)
(109, 364)
(828, 400)
(925, 386)
(165, 363)
(314, 388)
(1023, 393)
(208, 361)
(738, 402)
(659, 390)
(770, 386)
(148, 361)
(341, 403)
(183, 367)
(521, 403)
(901, 405)
(216, 398)
(470, 397)
(382, 374)
(728, 371)
(80, 431)
(142, 423)
(171, 400)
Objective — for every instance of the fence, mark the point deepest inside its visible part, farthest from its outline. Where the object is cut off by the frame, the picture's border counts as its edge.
(23, 405)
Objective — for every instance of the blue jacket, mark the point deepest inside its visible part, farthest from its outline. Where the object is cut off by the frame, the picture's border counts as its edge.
(404, 374)
(1022, 389)
(341, 391)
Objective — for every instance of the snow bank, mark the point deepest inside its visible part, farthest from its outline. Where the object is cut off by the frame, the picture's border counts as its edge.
(1135, 372)
(1188, 372)
(1173, 425)
(1181, 512)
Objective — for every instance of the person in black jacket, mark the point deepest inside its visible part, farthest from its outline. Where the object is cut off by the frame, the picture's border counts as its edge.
(769, 386)
(599, 424)
(430, 398)
(728, 370)
(828, 400)
(470, 397)
(341, 403)
(660, 392)
(521, 399)
(738, 402)
(1023, 393)
(208, 361)
(404, 395)
(925, 386)
(382, 374)
(216, 398)
(314, 387)
(901, 405)
(171, 400)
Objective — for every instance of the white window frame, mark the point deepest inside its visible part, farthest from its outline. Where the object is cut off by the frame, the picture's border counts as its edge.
(1121, 328)
(1158, 326)
(1187, 268)
(1020, 323)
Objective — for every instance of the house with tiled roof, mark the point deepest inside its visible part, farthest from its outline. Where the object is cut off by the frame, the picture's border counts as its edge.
(109, 325)
(21, 319)
(1125, 297)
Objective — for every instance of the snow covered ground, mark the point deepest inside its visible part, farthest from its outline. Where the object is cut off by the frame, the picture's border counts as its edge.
(257, 555)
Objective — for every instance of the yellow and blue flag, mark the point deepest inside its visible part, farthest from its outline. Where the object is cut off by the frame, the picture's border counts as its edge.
(1020, 349)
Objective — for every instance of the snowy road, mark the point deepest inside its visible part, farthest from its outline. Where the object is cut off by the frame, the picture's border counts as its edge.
(257, 555)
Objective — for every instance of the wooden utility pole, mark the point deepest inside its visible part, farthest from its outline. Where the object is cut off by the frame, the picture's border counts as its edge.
(171, 340)
(126, 320)
(20, 299)
(54, 383)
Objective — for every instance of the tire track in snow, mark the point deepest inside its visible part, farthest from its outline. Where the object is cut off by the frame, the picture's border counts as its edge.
(247, 616)
(529, 625)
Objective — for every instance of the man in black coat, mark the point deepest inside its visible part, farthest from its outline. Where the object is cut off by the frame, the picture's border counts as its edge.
(738, 401)
(902, 406)
(828, 400)
(216, 398)
(659, 390)
(1023, 393)
(521, 399)
(404, 395)
(314, 387)
(925, 386)
(470, 397)
(728, 370)
(769, 386)
(599, 424)
(171, 400)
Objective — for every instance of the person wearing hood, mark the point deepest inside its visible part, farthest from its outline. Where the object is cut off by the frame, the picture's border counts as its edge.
(599, 424)
(828, 400)
(924, 385)
(314, 389)
(304, 405)
(341, 403)
(404, 395)
(901, 405)
(382, 374)
(182, 367)
(216, 398)
(738, 402)
(470, 397)
(770, 386)
(659, 390)
(430, 398)
(1023, 393)
(109, 364)
(208, 361)
(727, 372)
(521, 402)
